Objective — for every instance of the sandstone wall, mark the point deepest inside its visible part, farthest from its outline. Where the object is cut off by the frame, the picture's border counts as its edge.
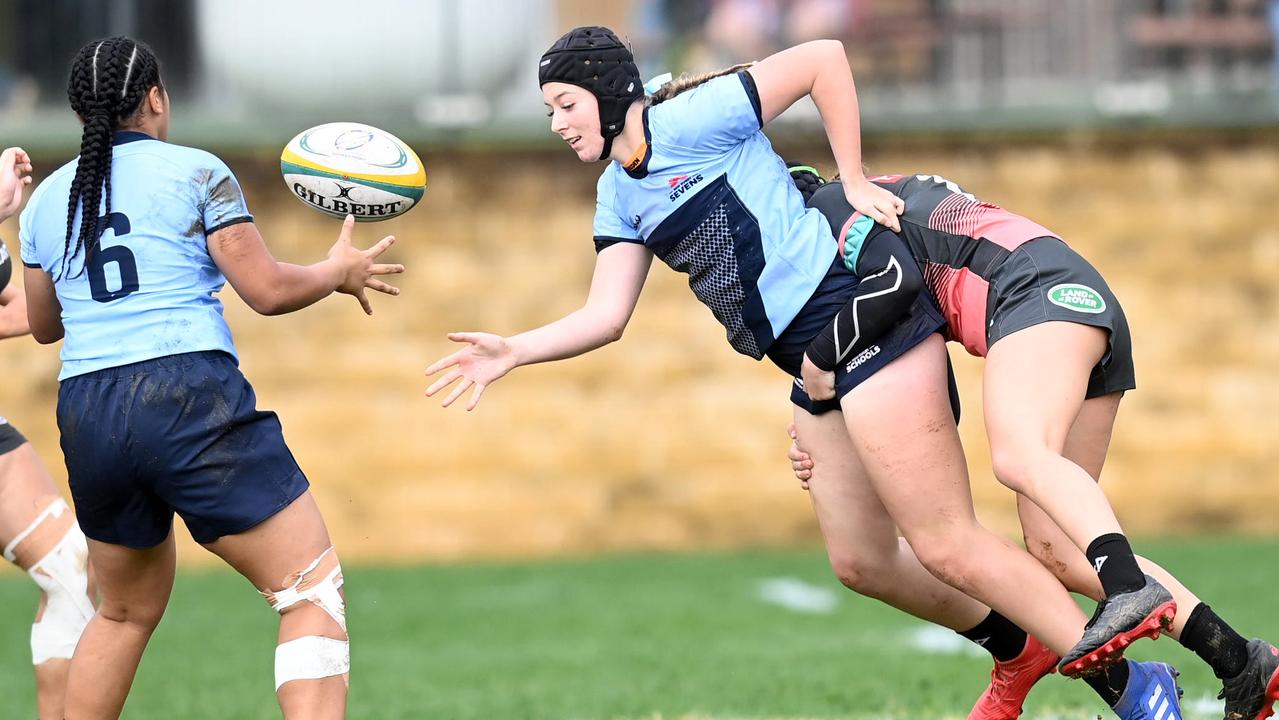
(669, 439)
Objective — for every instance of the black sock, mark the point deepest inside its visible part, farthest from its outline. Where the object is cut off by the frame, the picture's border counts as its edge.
(1110, 683)
(999, 636)
(1209, 637)
(1112, 558)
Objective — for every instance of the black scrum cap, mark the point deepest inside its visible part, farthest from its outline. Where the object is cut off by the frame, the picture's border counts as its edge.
(595, 59)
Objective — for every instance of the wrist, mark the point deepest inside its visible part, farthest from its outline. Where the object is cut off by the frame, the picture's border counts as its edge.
(332, 272)
(517, 349)
(855, 179)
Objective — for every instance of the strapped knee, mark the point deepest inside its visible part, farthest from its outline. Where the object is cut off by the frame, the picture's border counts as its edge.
(320, 584)
(313, 657)
(61, 571)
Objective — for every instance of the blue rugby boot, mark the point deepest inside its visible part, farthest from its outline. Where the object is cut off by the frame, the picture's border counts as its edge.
(1152, 693)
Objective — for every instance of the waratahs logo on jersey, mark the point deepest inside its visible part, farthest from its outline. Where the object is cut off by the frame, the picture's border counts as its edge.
(681, 184)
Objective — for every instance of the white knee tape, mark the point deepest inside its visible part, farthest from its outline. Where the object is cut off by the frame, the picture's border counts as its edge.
(55, 509)
(62, 575)
(311, 658)
(317, 588)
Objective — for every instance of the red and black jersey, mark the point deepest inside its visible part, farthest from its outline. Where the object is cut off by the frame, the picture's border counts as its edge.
(957, 241)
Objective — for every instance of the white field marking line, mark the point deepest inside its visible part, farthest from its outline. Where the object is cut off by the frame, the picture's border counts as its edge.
(1050, 714)
(701, 716)
(937, 640)
(796, 595)
(1201, 708)
(1204, 706)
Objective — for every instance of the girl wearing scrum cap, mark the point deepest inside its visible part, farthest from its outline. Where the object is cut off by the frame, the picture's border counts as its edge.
(692, 179)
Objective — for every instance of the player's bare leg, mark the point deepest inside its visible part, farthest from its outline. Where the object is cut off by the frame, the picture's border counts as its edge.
(869, 558)
(901, 423)
(1087, 446)
(1034, 387)
(290, 559)
(40, 535)
(135, 587)
(861, 539)
(1249, 671)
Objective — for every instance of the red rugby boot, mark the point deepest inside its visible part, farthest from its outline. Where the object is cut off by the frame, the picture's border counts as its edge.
(1011, 681)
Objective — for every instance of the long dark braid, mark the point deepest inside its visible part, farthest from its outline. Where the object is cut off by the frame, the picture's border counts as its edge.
(109, 80)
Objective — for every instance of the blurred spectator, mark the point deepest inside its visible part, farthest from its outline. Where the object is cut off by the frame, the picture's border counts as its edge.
(701, 35)
(667, 32)
(739, 30)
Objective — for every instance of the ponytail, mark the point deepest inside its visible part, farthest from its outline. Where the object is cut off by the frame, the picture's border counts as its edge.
(671, 88)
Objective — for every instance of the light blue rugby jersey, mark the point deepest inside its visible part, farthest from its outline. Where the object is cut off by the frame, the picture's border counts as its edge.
(149, 291)
(711, 199)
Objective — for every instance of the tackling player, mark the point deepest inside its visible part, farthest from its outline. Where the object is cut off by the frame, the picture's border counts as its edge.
(694, 181)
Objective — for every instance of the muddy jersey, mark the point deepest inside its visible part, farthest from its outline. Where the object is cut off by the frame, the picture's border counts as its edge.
(711, 199)
(147, 290)
(959, 242)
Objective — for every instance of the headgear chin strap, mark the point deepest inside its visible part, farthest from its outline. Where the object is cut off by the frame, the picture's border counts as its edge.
(595, 59)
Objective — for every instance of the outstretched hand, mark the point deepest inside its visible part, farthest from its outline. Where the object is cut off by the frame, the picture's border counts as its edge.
(485, 358)
(359, 272)
(874, 202)
(15, 174)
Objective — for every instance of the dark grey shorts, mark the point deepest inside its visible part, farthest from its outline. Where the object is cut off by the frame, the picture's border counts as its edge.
(10, 438)
(1043, 281)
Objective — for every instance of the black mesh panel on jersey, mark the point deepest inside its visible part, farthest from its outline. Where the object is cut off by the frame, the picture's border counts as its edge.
(716, 242)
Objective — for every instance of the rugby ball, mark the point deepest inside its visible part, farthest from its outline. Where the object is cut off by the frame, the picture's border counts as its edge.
(347, 168)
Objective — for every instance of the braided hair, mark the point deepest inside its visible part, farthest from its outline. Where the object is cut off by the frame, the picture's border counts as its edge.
(806, 179)
(109, 81)
(687, 81)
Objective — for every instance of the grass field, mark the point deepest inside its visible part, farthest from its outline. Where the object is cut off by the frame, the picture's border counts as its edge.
(764, 634)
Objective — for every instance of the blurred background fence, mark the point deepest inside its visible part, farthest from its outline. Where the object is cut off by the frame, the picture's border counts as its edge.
(1143, 131)
(244, 71)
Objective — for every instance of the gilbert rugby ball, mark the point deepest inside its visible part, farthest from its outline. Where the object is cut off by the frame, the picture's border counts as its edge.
(347, 168)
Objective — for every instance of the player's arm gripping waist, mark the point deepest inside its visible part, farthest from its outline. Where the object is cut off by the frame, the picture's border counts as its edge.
(891, 281)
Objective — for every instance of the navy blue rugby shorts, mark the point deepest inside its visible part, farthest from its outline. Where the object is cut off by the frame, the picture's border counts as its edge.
(175, 434)
(831, 295)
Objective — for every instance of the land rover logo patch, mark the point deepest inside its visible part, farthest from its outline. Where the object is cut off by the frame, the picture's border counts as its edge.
(1079, 298)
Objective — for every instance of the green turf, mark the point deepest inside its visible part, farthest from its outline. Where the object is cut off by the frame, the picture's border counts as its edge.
(643, 637)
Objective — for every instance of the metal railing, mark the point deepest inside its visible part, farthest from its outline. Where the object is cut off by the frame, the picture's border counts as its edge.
(929, 64)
